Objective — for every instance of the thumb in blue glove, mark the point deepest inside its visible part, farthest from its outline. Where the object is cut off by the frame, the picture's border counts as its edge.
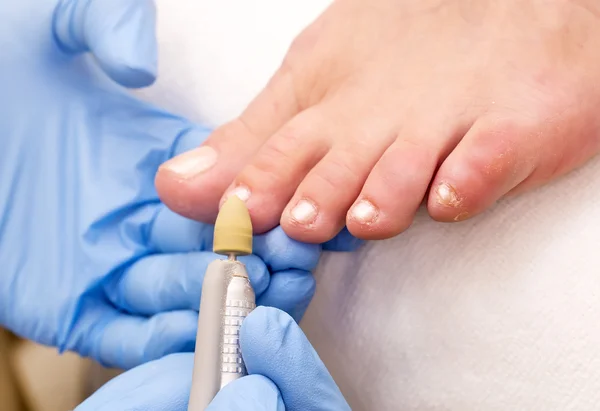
(285, 374)
(119, 33)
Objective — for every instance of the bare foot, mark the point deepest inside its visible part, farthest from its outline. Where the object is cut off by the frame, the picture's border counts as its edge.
(379, 103)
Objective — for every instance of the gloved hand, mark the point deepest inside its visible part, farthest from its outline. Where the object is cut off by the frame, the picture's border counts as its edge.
(285, 374)
(91, 260)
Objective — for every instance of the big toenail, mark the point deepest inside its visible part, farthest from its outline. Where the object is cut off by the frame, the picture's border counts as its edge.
(304, 212)
(241, 191)
(447, 195)
(364, 212)
(193, 162)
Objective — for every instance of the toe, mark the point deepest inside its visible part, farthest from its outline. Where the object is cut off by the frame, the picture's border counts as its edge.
(318, 209)
(268, 182)
(394, 190)
(493, 157)
(192, 183)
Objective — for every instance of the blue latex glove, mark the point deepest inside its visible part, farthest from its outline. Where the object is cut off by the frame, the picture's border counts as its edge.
(91, 260)
(285, 374)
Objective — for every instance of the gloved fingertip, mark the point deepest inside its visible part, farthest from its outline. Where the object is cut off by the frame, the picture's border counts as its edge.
(290, 291)
(344, 241)
(126, 74)
(268, 323)
(120, 33)
(123, 39)
(281, 252)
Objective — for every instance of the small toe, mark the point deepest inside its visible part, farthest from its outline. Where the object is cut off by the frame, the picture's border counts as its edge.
(317, 211)
(492, 158)
(268, 182)
(394, 190)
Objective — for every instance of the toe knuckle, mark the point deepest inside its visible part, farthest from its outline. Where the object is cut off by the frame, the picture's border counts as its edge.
(293, 134)
(279, 151)
(263, 171)
(272, 161)
(337, 172)
(239, 129)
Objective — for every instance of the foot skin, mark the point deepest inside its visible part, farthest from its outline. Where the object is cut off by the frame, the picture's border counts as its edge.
(381, 104)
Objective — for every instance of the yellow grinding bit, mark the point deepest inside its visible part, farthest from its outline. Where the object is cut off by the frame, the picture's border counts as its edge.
(233, 228)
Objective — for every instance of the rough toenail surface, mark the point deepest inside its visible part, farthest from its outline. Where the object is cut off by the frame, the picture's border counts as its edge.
(447, 195)
(304, 212)
(242, 192)
(192, 163)
(364, 212)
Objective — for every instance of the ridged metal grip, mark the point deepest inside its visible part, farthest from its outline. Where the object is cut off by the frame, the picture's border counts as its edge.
(227, 298)
(235, 312)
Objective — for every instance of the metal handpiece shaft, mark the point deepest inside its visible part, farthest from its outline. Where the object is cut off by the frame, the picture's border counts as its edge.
(227, 298)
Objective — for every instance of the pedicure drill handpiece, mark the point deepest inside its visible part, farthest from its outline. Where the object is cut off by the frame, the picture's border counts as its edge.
(227, 298)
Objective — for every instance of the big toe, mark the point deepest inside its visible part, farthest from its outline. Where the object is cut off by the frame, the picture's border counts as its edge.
(192, 183)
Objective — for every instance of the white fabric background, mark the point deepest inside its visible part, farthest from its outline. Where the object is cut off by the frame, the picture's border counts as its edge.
(498, 313)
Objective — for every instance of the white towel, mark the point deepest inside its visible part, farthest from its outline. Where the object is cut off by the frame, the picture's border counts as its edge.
(498, 313)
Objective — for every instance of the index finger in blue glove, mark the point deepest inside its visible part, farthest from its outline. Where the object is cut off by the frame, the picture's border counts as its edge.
(280, 252)
(160, 385)
(250, 393)
(274, 346)
(165, 282)
(120, 33)
(171, 232)
(288, 289)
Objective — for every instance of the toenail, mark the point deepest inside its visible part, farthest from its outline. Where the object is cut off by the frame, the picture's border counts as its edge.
(364, 212)
(241, 191)
(193, 162)
(447, 195)
(304, 212)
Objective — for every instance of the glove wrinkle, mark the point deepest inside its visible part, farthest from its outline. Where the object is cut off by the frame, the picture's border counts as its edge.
(68, 25)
